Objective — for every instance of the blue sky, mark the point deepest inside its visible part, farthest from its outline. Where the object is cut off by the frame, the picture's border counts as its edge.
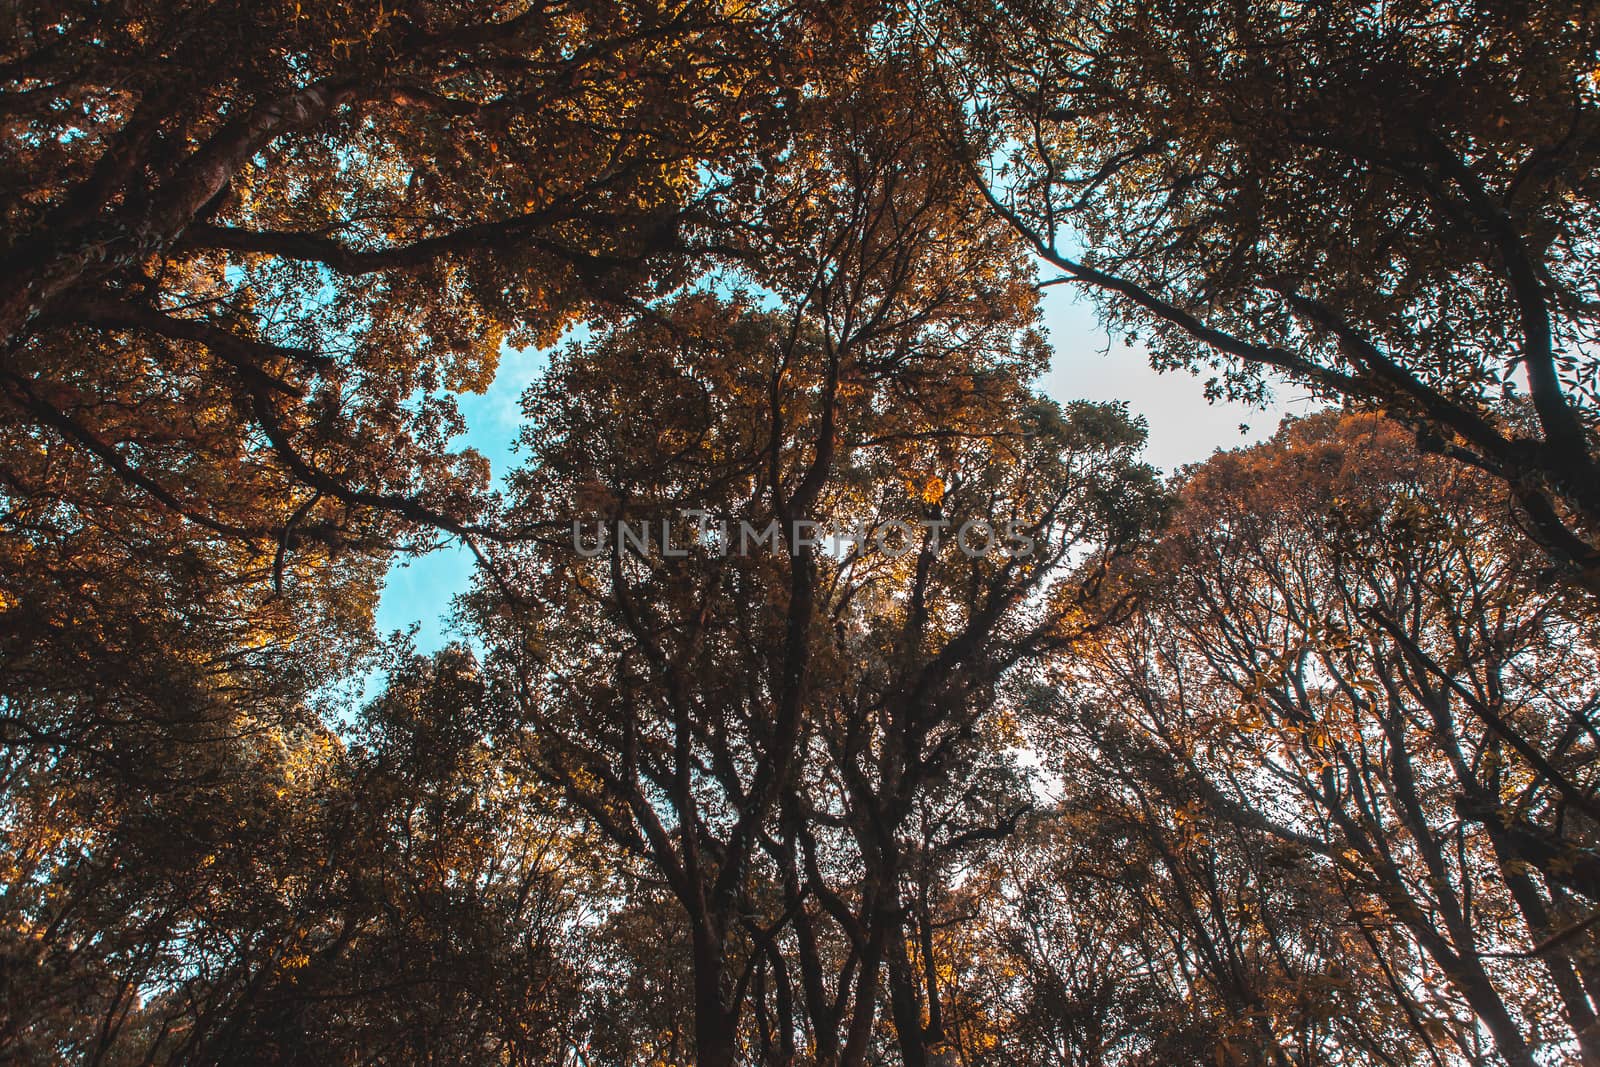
(1184, 428)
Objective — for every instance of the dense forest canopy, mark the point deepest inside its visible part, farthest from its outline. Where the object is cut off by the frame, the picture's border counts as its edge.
(825, 693)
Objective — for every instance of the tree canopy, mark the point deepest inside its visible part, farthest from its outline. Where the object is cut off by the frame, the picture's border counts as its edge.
(825, 693)
(1393, 205)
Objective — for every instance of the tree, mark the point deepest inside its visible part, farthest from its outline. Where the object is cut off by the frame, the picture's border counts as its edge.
(250, 254)
(1396, 208)
(653, 687)
(1351, 652)
(1126, 926)
(782, 737)
(297, 899)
